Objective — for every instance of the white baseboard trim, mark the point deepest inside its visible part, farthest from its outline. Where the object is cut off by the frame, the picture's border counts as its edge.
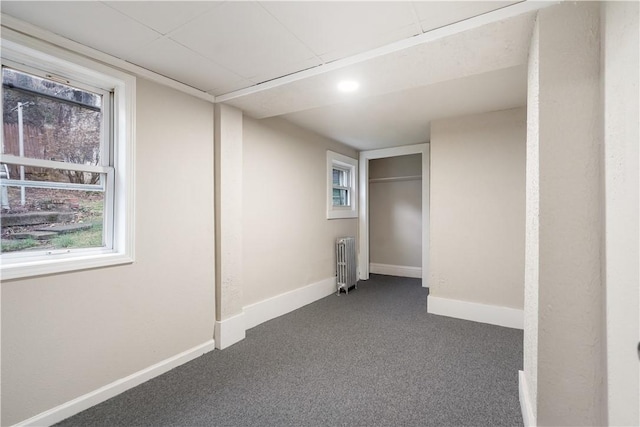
(229, 331)
(483, 313)
(396, 270)
(278, 305)
(95, 397)
(525, 401)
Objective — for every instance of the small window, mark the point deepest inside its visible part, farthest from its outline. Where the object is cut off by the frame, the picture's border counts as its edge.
(65, 167)
(341, 186)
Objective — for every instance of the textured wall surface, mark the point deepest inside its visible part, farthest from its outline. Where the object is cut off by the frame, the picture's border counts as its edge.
(621, 117)
(570, 321)
(532, 243)
(229, 210)
(288, 241)
(395, 211)
(478, 208)
(69, 334)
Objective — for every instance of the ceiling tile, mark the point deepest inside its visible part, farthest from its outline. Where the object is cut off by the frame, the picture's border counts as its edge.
(338, 29)
(244, 38)
(163, 16)
(88, 22)
(166, 57)
(436, 14)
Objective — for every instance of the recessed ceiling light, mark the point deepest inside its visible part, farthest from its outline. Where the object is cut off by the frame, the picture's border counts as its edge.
(348, 86)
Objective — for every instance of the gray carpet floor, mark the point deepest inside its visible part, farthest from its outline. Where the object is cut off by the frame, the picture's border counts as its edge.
(370, 358)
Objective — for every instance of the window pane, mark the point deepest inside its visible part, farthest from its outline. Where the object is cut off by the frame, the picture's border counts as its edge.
(340, 197)
(340, 177)
(59, 122)
(51, 219)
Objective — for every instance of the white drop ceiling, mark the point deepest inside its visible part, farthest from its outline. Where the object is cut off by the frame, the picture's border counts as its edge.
(416, 61)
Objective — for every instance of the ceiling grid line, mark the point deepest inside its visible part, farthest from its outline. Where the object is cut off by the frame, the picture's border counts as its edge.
(416, 17)
(132, 18)
(292, 33)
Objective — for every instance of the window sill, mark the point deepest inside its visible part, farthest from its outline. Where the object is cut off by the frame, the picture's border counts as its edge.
(75, 262)
(342, 214)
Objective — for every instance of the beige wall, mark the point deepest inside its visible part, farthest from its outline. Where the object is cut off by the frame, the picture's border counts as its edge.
(478, 208)
(395, 211)
(68, 334)
(571, 383)
(288, 242)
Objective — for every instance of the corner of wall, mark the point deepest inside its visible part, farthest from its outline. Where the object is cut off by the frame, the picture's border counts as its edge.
(286, 302)
(476, 312)
(233, 329)
(230, 331)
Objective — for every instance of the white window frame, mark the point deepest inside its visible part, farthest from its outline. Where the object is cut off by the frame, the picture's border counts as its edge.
(339, 161)
(20, 50)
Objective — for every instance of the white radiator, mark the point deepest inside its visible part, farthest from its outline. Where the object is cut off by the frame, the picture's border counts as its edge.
(346, 263)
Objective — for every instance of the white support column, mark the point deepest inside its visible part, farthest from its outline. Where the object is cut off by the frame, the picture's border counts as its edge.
(570, 353)
(230, 325)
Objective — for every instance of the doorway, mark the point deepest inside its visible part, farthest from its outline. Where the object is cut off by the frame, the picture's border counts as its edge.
(364, 217)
